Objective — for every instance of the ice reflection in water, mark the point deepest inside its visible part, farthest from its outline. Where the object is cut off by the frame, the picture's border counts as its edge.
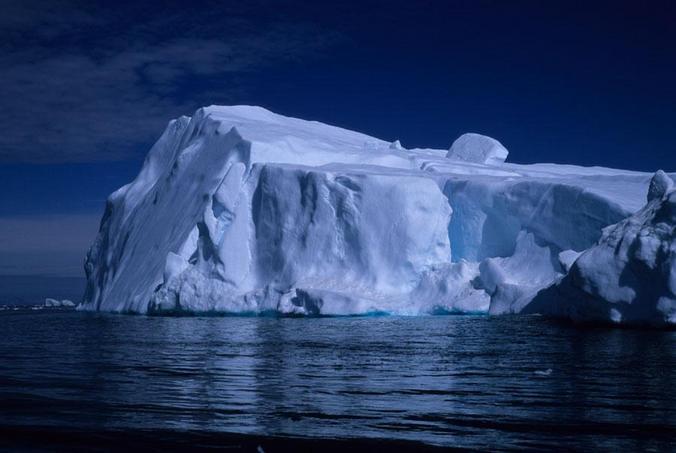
(447, 380)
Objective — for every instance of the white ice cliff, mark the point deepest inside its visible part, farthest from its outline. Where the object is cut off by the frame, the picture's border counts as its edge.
(240, 210)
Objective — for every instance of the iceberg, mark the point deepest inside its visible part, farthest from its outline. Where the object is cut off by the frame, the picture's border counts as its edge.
(240, 210)
(629, 275)
(54, 303)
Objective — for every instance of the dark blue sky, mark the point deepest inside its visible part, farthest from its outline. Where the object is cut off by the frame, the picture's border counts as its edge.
(85, 88)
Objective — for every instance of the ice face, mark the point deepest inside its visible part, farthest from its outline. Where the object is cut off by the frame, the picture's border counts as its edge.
(238, 209)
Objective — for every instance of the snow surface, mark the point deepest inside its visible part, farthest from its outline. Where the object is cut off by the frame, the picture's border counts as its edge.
(241, 210)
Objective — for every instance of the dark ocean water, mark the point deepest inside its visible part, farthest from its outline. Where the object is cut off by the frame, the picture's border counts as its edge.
(73, 381)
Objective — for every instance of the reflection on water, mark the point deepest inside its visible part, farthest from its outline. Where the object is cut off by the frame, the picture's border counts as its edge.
(447, 380)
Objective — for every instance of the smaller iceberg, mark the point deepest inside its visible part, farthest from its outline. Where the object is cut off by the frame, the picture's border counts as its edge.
(54, 303)
(629, 276)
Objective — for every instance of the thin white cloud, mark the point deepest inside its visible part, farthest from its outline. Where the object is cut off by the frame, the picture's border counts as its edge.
(79, 86)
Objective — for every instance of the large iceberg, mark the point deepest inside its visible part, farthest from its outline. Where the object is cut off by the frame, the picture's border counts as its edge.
(240, 210)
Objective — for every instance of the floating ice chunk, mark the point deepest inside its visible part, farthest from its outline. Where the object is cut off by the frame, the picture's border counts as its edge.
(52, 303)
(479, 149)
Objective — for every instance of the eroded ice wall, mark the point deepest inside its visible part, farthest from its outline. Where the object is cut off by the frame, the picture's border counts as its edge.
(241, 210)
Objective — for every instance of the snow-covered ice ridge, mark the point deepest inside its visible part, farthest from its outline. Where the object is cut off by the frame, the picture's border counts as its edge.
(241, 210)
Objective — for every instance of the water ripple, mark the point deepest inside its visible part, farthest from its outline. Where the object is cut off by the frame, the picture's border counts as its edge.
(461, 381)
